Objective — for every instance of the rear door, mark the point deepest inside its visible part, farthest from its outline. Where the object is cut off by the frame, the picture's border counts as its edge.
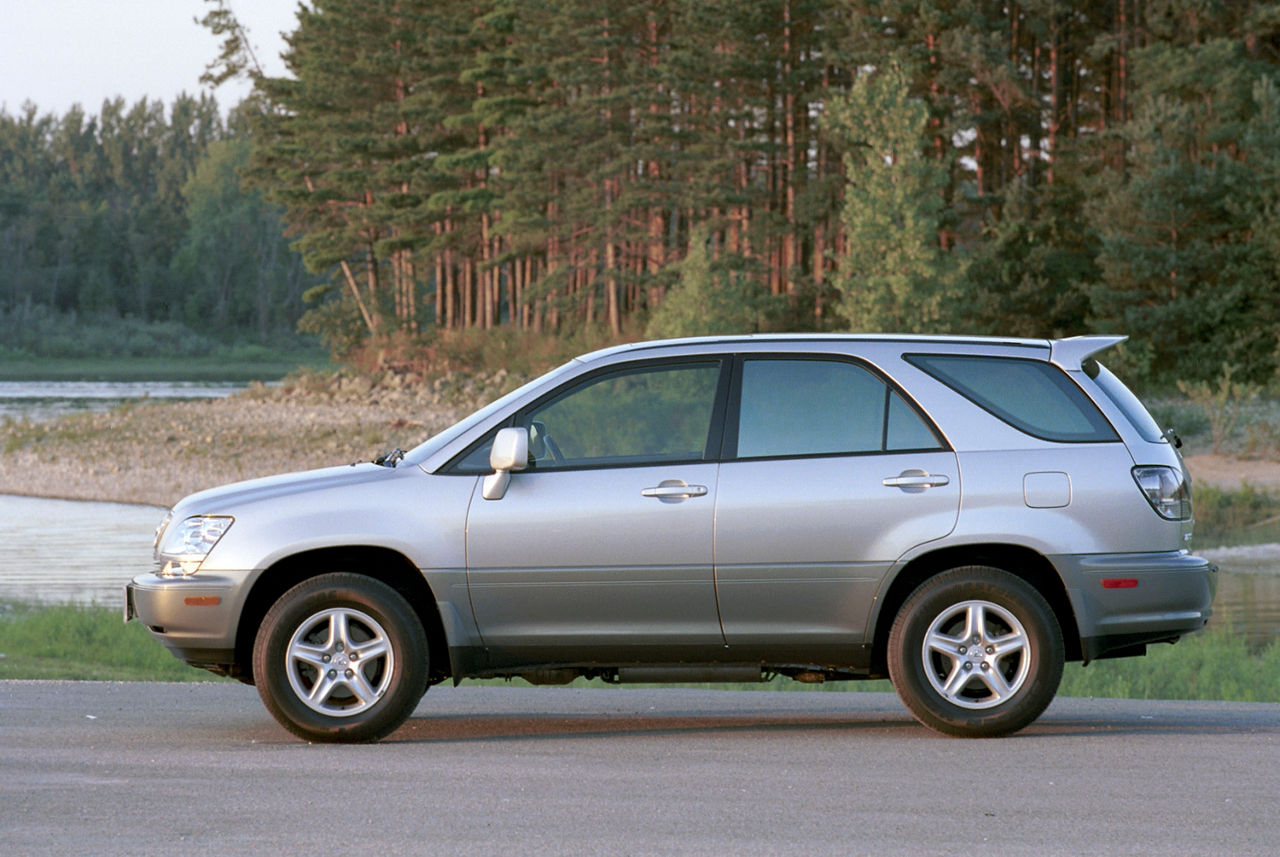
(831, 474)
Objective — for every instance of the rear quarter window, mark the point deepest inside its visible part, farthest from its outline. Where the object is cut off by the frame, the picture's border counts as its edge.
(1129, 404)
(1033, 396)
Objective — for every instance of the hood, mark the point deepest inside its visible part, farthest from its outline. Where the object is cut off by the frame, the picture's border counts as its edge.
(227, 499)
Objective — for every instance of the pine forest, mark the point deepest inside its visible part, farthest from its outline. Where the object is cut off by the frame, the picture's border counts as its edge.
(678, 167)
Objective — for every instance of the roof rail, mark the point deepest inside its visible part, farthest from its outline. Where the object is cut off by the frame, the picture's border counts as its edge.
(1071, 353)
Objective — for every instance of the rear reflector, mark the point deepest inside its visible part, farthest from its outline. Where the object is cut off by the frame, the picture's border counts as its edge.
(1119, 582)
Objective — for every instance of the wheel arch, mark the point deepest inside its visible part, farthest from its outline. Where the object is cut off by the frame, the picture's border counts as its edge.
(388, 566)
(1028, 564)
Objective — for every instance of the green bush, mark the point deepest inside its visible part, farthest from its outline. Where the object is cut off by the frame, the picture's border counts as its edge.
(41, 333)
(713, 297)
(520, 352)
(1220, 511)
(1223, 403)
(1186, 419)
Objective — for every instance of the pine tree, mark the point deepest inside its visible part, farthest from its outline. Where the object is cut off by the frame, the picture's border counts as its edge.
(893, 274)
(712, 299)
(1180, 260)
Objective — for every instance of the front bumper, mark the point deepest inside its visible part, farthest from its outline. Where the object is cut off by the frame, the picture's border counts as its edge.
(195, 617)
(1123, 601)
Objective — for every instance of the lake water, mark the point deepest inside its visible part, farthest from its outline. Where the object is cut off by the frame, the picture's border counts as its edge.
(42, 400)
(65, 551)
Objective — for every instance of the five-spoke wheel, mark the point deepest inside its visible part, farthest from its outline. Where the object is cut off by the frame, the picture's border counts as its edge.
(976, 651)
(341, 657)
(975, 654)
(340, 662)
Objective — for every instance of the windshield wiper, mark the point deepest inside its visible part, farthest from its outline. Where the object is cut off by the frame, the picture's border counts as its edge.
(390, 459)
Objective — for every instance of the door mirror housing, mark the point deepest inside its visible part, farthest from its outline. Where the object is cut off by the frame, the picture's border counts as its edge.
(510, 452)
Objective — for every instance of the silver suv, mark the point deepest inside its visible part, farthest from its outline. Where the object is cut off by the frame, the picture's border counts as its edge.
(961, 515)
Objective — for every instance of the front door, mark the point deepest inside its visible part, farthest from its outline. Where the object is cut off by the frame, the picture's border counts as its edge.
(602, 549)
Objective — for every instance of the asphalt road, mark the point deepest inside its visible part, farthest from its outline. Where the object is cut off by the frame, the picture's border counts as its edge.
(175, 769)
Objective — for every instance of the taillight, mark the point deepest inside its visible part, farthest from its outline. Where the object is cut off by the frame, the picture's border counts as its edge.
(1166, 489)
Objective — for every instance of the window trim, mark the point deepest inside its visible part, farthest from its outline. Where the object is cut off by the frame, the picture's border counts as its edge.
(733, 415)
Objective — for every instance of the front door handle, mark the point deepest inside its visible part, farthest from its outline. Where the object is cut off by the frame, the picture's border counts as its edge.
(915, 479)
(674, 489)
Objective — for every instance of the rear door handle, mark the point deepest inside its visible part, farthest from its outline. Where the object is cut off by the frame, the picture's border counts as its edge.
(915, 479)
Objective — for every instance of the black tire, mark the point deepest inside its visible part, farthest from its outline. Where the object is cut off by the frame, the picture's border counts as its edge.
(993, 689)
(340, 658)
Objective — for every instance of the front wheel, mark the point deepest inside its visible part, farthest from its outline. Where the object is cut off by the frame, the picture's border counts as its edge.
(976, 652)
(340, 657)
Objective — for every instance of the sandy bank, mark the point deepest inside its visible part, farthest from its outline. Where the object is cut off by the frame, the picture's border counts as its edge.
(1230, 473)
(156, 453)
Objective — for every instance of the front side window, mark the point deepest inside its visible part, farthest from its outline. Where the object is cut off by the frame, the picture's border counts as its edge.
(823, 407)
(641, 415)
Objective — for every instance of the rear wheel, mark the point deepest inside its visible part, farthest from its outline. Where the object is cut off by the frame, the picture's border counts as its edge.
(976, 652)
(340, 657)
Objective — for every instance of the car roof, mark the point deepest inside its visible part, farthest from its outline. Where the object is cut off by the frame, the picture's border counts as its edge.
(1068, 353)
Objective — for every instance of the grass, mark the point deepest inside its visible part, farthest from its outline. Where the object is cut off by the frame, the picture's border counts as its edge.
(91, 643)
(1214, 665)
(77, 642)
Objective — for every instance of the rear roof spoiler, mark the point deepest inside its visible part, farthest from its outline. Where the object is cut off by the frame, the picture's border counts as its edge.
(1071, 353)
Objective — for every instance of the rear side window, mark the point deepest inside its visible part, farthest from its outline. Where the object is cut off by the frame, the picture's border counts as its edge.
(797, 407)
(1032, 396)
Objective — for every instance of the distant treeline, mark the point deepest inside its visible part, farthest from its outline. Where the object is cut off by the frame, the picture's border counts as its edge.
(1036, 168)
(129, 232)
(970, 166)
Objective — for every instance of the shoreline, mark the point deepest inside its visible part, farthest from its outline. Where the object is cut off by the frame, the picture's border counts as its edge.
(155, 453)
(65, 498)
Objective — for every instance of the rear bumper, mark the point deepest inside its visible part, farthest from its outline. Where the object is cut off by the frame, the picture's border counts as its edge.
(1123, 601)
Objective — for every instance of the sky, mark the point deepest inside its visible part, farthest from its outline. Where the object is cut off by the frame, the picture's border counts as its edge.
(56, 53)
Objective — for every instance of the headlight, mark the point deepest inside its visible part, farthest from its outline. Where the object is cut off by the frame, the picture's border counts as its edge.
(164, 525)
(1166, 490)
(182, 545)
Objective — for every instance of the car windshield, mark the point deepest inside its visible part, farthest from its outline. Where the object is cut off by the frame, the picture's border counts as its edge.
(435, 443)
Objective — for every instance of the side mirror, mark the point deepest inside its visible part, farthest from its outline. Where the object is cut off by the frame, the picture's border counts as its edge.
(510, 452)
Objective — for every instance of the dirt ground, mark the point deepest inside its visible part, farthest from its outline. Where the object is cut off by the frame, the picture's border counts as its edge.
(1230, 473)
(158, 452)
